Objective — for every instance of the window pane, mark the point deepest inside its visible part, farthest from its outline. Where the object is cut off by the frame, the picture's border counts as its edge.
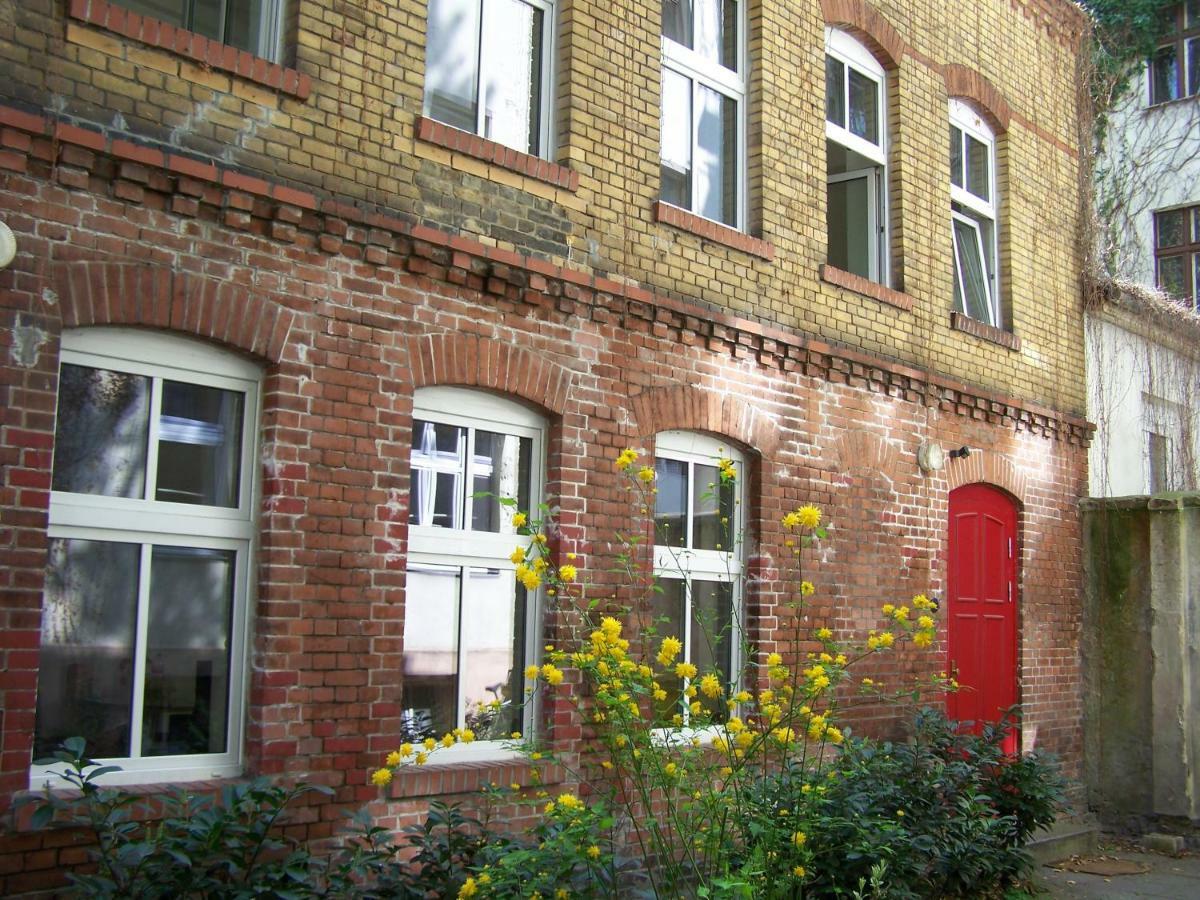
(716, 157)
(676, 139)
(848, 218)
(864, 107)
(1192, 13)
(835, 95)
(186, 699)
(171, 11)
(243, 19)
(979, 180)
(437, 471)
(451, 62)
(666, 607)
(512, 73)
(1196, 225)
(670, 503)
(1164, 75)
(1171, 275)
(971, 286)
(956, 157)
(716, 31)
(712, 636)
(1171, 225)
(713, 502)
(501, 469)
(101, 432)
(205, 18)
(85, 682)
(1193, 66)
(1196, 280)
(493, 653)
(199, 445)
(429, 699)
(677, 21)
(1158, 453)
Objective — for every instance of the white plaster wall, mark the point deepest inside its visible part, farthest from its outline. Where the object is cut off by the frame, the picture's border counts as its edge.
(1151, 161)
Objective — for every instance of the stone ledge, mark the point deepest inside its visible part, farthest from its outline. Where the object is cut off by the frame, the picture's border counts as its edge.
(984, 332)
(450, 138)
(197, 47)
(712, 231)
(866, 287)
(471, 777)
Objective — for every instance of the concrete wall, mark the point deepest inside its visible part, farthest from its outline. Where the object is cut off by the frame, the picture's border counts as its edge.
(1141, 649)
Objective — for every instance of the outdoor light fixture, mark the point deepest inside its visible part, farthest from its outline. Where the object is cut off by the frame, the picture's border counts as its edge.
(8, 245)
(960, 453)
(930, 456)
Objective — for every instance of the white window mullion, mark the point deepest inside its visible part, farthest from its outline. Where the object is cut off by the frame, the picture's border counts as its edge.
(141, 632)
(460, 694)
(156, 392)
(481, 87)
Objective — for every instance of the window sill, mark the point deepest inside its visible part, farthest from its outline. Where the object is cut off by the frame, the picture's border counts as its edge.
(202, 50)
(437, 779)
(1165, 104)
(712, 231)
(866, 287)
(450, 138)
(984, 332)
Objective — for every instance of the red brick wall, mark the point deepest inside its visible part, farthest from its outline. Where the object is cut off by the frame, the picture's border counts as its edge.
(349, 312)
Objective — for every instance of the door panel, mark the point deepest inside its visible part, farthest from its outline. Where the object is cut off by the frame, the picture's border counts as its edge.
(982, 599)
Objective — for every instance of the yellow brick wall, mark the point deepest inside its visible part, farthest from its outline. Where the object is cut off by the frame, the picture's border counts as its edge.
(354, 138)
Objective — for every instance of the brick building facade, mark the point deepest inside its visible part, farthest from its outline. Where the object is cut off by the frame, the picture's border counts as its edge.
(277, 250)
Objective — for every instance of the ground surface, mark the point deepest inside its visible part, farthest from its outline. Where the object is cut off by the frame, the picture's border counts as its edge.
(1157, 876)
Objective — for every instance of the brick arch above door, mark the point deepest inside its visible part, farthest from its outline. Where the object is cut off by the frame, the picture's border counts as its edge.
(990, 468)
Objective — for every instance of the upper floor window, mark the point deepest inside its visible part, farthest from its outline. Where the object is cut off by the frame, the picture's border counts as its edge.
(149, 574)
(698, 560)
(1177, 253)
(250, 25)
(1175, 66)
(973, 206)
(487, 69)
(856, 157)
(469, 626)
(703, 108)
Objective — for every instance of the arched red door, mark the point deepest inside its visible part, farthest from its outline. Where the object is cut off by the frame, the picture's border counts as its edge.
(982, 604)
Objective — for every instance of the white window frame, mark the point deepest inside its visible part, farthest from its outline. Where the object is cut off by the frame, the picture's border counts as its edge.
(688, 565)
(148, 522)
(707, 73)
(977, 210)
(545, 131)
(465, 549)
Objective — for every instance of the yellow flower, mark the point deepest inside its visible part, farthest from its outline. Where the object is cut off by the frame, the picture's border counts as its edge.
(421, 758)
(710, 686)
(887, 639)
(809, 515)
(668, 650)
(593, 852)
(799, 838)
(540, 565)
(381, 777)
(791, 520)
(807, 589)
(447, 740)
(626, 458)
(922, 639)
(645, 474)
(670, 769)
(889, 608)
(406, 749)
(685, 670)
(530, 579)
(519, 520)
(567, 572)
(735, 725)
(532, 672)
(660, 695)
(696, 707)
(798, 871)
(552, 674)
(429, 743)
(824, 634)
(774, 659)
(517, 556)
(742, 696)
(902, 614)
(925, 622)
(466, 735)
(539, 539)
(393, 759)
(469, 888)
(920, 601)
(610, 627)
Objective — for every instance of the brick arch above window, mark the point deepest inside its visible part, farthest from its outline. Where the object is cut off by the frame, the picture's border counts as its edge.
(861, 450)
(870, 26)
(990, 468)
(688, 408)
(102, 292)
(967, 84)
(472, 361)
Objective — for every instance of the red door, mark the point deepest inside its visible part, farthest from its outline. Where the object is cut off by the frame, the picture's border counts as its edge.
(982, 605)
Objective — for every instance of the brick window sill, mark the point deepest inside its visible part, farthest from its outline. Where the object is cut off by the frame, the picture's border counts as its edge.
(712, 231)
(866, 287)
(471, 777)
(197, 47)
(991, 333)
(450, 138)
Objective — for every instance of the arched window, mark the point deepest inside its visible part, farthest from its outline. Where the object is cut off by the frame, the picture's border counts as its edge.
(698, 556)
(856, 147)
(973, 206)
(152, 524)
(469, 627)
